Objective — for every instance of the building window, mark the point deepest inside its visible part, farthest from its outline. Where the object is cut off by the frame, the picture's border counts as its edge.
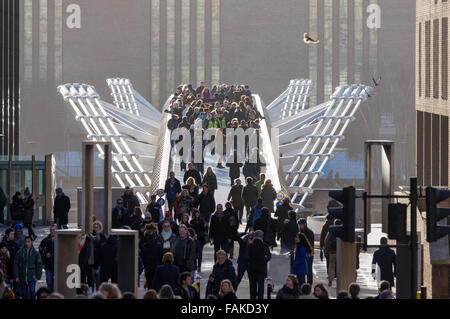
(427, 59)
(436, 59)
(420, 59)
(444, 60)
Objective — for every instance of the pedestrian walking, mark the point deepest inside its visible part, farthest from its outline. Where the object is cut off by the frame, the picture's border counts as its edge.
(210, 179)
(235, 195)
(330, 252)
(303, 225)
(268, 194)
(249, 196)
(300, 267)
(119, 215)
(184, 250)
(28, 209)
(205, 203)
(185, 289)
(200, 228)
(219, 230)
(258, 255)
(172, 187)
(151, 254)
(27, 269)
(192, 172)
(166, 274)
(384, 258)
(244, 240)
(223, 269)
(47, 252)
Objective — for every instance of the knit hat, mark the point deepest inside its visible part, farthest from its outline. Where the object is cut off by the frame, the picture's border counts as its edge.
(148, 215)
(18, 227)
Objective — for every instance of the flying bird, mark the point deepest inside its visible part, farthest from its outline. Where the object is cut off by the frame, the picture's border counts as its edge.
(376, 82)
(309, 40)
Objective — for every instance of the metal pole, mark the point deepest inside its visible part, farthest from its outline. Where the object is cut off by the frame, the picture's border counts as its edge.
(366, 226)
(414, 257)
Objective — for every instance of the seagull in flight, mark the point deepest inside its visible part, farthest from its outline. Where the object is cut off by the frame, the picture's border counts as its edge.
(376, 82)
(309, 40)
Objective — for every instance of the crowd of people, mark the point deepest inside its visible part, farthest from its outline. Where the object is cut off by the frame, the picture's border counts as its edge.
(221, 109)
(171, 242)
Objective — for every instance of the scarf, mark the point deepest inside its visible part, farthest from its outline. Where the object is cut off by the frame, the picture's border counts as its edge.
(166, 237)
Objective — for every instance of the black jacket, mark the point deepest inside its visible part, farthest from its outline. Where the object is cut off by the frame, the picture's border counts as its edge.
(151, 253)
(250, 195)
(192, 173)
(310, 235)
(243, 248)
(200, 229)
(385, 258)
(187, 261)
(219, 228)
(47, 251)
(107, 258)
(289, 233)
(206, 204)
(28, 209)
(221, 272)
(61, 208)
(269, 227)
(211, 181)
(130, 202)
(193, 294)
(235, 170)
(119, 217)
(258, 255)
(235, 195)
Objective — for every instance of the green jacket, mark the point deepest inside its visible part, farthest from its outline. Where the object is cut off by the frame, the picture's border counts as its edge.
(27, 265)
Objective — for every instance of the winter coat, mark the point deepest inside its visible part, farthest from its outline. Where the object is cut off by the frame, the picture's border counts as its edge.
(47, 251)
(13, 248)
(235, 195)
(183, 205)
(187, 261)
(219, 228)
(259, 185)
(98, 241)
(288, 293)
(61, 208)
(151, 253)
(233, 221)
(166, 274)
(28, 210)
(172, 188)
(180, 291)
(192, 192)
(288, 234)
(330, 244)
(259, 255)
(86, 256)
(211, 181)
(6, 267)
(269, 226)
(250, 170)
(155, 211)
(250, 195)
(107, 258)
(221, 272)
(27, 265)
(235, 170)
(300, 266)
(243, 249)
(310, 236)
(385, 259)
(206, 204)
(192, 173)
(268, 195)
(200, 229)
(130, 202)
(324, 233)
(17, 209)
(119, 217)
(282, 213)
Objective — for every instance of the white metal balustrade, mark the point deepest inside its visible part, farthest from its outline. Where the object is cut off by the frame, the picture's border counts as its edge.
(131, 126)
(309, 138)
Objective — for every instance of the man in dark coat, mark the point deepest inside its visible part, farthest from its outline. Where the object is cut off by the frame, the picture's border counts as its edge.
(130, 201)
(205, 203)
(3, 202)
(219, 229)
(119, 215)
(108, 260)
(171, 189)
(28, 208)
(289, 232)
(47, 251)
(268, 226)
(235, 195)
(281, 213)
(385, 258)
(27, 269)
(183, 249)
(258, 256)
(249, 195)
(323, 234)
(303, 225)
(151, 253)
(192, 172)
(155, 209)
(223, 269)
(244, 240)
(61, 208)
(185, 289)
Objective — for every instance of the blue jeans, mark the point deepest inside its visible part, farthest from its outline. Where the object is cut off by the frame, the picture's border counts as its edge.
(27, 290)
(310, 269)
(49, 275)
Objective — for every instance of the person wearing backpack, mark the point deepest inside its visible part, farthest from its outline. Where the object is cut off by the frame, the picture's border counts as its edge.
(255, 213)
